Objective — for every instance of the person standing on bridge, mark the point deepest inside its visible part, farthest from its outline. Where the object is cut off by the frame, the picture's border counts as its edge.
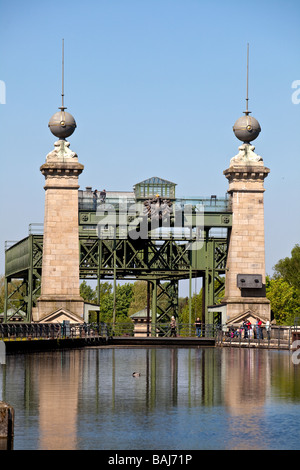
(95, 196)
(198, 327)
(103, 195)
(173, 327)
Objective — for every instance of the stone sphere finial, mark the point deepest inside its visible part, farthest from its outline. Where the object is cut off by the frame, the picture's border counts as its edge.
(246, 128)
(62, 124)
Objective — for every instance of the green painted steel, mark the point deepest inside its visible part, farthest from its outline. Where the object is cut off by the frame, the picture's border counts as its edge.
(23, 269)
(108, 252)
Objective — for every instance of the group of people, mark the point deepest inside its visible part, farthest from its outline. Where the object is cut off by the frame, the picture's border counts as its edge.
(251, 331)
(256, 329)
(95, 197)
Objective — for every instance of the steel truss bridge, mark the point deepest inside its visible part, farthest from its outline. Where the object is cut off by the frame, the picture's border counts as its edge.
(120, 239)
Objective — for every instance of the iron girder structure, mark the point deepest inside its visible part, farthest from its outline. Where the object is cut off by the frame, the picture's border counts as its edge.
(161, 264)
(161, 261)
(158, 246)
(23, 270)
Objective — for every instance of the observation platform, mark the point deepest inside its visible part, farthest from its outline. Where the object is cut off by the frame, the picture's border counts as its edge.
(116, 213)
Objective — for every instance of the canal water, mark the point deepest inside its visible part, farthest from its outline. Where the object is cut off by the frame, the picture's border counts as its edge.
(184, 399)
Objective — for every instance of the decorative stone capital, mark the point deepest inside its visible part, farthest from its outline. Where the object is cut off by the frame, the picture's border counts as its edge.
(61, 174)
(61, 169)
(61, 152)
(246, 177)
(246, 156)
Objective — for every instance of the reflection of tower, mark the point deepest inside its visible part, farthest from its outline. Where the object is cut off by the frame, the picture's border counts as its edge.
(57, 379)
(245, 277)
(246, 385)
(60, 270)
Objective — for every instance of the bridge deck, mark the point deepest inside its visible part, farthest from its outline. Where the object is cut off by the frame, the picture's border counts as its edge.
(42, 344)
(160, 341)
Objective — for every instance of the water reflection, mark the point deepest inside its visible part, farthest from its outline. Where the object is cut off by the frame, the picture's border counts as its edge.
(184, 399)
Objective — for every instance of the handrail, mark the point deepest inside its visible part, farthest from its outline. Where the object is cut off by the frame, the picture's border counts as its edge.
(225, 335)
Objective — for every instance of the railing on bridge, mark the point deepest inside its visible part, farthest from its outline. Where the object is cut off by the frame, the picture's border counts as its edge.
(275, 337)
(25, 331)
(32, 331)
(122, 201)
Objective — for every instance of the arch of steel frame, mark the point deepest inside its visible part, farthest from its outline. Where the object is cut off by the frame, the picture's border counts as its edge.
(120, 241)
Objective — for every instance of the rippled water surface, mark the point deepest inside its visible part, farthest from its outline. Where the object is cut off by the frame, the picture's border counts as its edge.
(206, 398)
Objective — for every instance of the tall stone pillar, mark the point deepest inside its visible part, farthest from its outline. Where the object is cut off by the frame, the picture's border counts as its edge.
(245, 275)
(60, 268)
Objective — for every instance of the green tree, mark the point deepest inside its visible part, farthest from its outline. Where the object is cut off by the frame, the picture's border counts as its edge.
(182, 302)
(105, 291)
(284, 300)
(289, 268)
(139, 297)
(87, 292)
(123, 300)
(196, 309)
(90, 295)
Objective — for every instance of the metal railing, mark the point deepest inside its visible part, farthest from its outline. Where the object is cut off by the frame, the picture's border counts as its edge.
(32, 331)
(224, 335)
(13, 331)
(161, 329)
(276, 336)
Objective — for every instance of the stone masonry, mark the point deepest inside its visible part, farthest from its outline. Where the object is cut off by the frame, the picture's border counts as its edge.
(246, 253)
(60, 269)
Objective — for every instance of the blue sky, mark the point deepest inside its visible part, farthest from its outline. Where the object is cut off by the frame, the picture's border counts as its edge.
(155, 87)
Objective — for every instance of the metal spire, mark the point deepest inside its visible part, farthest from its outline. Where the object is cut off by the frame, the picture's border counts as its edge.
(62, 124)
(62, 107)
(247, 128)
(247, 98)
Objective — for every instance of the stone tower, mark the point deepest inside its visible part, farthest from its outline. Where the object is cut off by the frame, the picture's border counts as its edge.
(245, 275)
(245, 292)
(60, 298)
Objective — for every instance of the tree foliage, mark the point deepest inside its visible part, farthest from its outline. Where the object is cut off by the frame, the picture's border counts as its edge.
(139, 297)
(285, 300)
(196, 308)
(123, 300)
(283, 290)
(87, 292)
(289, 268)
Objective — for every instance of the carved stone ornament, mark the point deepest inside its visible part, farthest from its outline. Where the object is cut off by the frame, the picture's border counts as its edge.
(61, 152)
(157, 208)
(246, 156)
